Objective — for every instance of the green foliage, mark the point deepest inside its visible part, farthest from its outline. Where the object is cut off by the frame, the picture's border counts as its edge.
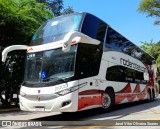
(151, 8)
(19, 19)
(68, 10)
(147, 47)
(56, 6)
(157, 52)
(152, 49)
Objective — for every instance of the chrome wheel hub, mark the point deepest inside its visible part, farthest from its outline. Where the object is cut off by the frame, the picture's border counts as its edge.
(106, 101)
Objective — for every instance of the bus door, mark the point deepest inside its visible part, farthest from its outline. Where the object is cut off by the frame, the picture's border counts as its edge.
(89, 58)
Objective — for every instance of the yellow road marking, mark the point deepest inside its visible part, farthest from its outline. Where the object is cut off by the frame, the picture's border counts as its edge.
(86, 127)
(142, 112)
(152, 119)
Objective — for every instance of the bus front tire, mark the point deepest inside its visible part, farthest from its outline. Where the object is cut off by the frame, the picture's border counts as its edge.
(107, 101)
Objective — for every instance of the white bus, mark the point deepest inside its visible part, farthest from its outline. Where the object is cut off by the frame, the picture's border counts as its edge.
(78, 62)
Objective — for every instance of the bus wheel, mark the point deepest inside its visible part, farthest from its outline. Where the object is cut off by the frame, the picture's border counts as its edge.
(107, 101)
(153, 95)
(149, 96)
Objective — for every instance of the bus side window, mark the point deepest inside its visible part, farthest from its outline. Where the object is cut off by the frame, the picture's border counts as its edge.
(94, 27)
(114, 74)
(124, 74)
(115, 41)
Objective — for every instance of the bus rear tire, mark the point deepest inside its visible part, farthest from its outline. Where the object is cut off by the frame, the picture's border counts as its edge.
(107, 101)
(153, 95)
(149, 96)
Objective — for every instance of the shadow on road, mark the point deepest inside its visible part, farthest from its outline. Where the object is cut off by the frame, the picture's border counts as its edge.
(119, 111)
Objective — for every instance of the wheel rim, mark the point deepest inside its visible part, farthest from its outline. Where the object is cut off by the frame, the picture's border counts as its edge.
(106, 101)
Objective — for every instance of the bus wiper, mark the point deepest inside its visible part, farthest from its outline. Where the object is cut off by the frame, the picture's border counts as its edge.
(53, 78)
(61, 79)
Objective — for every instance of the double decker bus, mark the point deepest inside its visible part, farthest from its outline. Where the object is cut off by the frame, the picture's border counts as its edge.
(77, 62)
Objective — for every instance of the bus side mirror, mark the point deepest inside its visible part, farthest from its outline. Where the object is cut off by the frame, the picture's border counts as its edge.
(89, 40)
(80, 37)
(12, 48)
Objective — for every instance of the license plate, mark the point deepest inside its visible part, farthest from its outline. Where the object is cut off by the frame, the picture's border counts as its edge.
(39, 108)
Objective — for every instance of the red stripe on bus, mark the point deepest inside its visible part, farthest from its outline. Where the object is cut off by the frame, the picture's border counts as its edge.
(137, 89)
(141, 96)
(130, 97)
(74, 41)
(91, 92)
(126, 89)
(89, 101)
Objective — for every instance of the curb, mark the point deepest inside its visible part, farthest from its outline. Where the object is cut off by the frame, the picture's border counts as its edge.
(9, 110)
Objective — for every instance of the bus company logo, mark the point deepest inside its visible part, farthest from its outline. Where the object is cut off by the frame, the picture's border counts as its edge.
(132, 65)
(29, 49)
(6, 123)
(38, 98)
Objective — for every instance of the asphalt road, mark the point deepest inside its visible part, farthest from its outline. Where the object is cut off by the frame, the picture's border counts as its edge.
(138, 113)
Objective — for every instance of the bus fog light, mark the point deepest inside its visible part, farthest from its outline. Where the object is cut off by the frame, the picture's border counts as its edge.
(66, 103)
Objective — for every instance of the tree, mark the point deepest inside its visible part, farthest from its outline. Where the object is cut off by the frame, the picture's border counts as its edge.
(56, 6)
(19, 19)
(156, 51)
(68, 10)
(152, 49)
(147, 47)
(151, 8)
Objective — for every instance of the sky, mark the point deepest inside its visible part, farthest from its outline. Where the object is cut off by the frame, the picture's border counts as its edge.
(121, 15)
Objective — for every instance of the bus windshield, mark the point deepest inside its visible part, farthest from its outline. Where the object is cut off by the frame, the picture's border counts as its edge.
(48, 66)
(54, 29)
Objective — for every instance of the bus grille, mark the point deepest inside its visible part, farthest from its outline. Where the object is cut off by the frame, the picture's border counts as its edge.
(41, 97)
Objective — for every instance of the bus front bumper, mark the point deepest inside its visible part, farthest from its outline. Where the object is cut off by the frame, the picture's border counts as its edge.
(66, 103)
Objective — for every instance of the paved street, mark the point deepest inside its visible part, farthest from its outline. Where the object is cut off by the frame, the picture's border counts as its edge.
(132, 111)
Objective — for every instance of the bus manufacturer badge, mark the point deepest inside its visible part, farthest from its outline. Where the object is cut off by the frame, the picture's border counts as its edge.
(38, 98)
(65, 45)
(39, 91)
